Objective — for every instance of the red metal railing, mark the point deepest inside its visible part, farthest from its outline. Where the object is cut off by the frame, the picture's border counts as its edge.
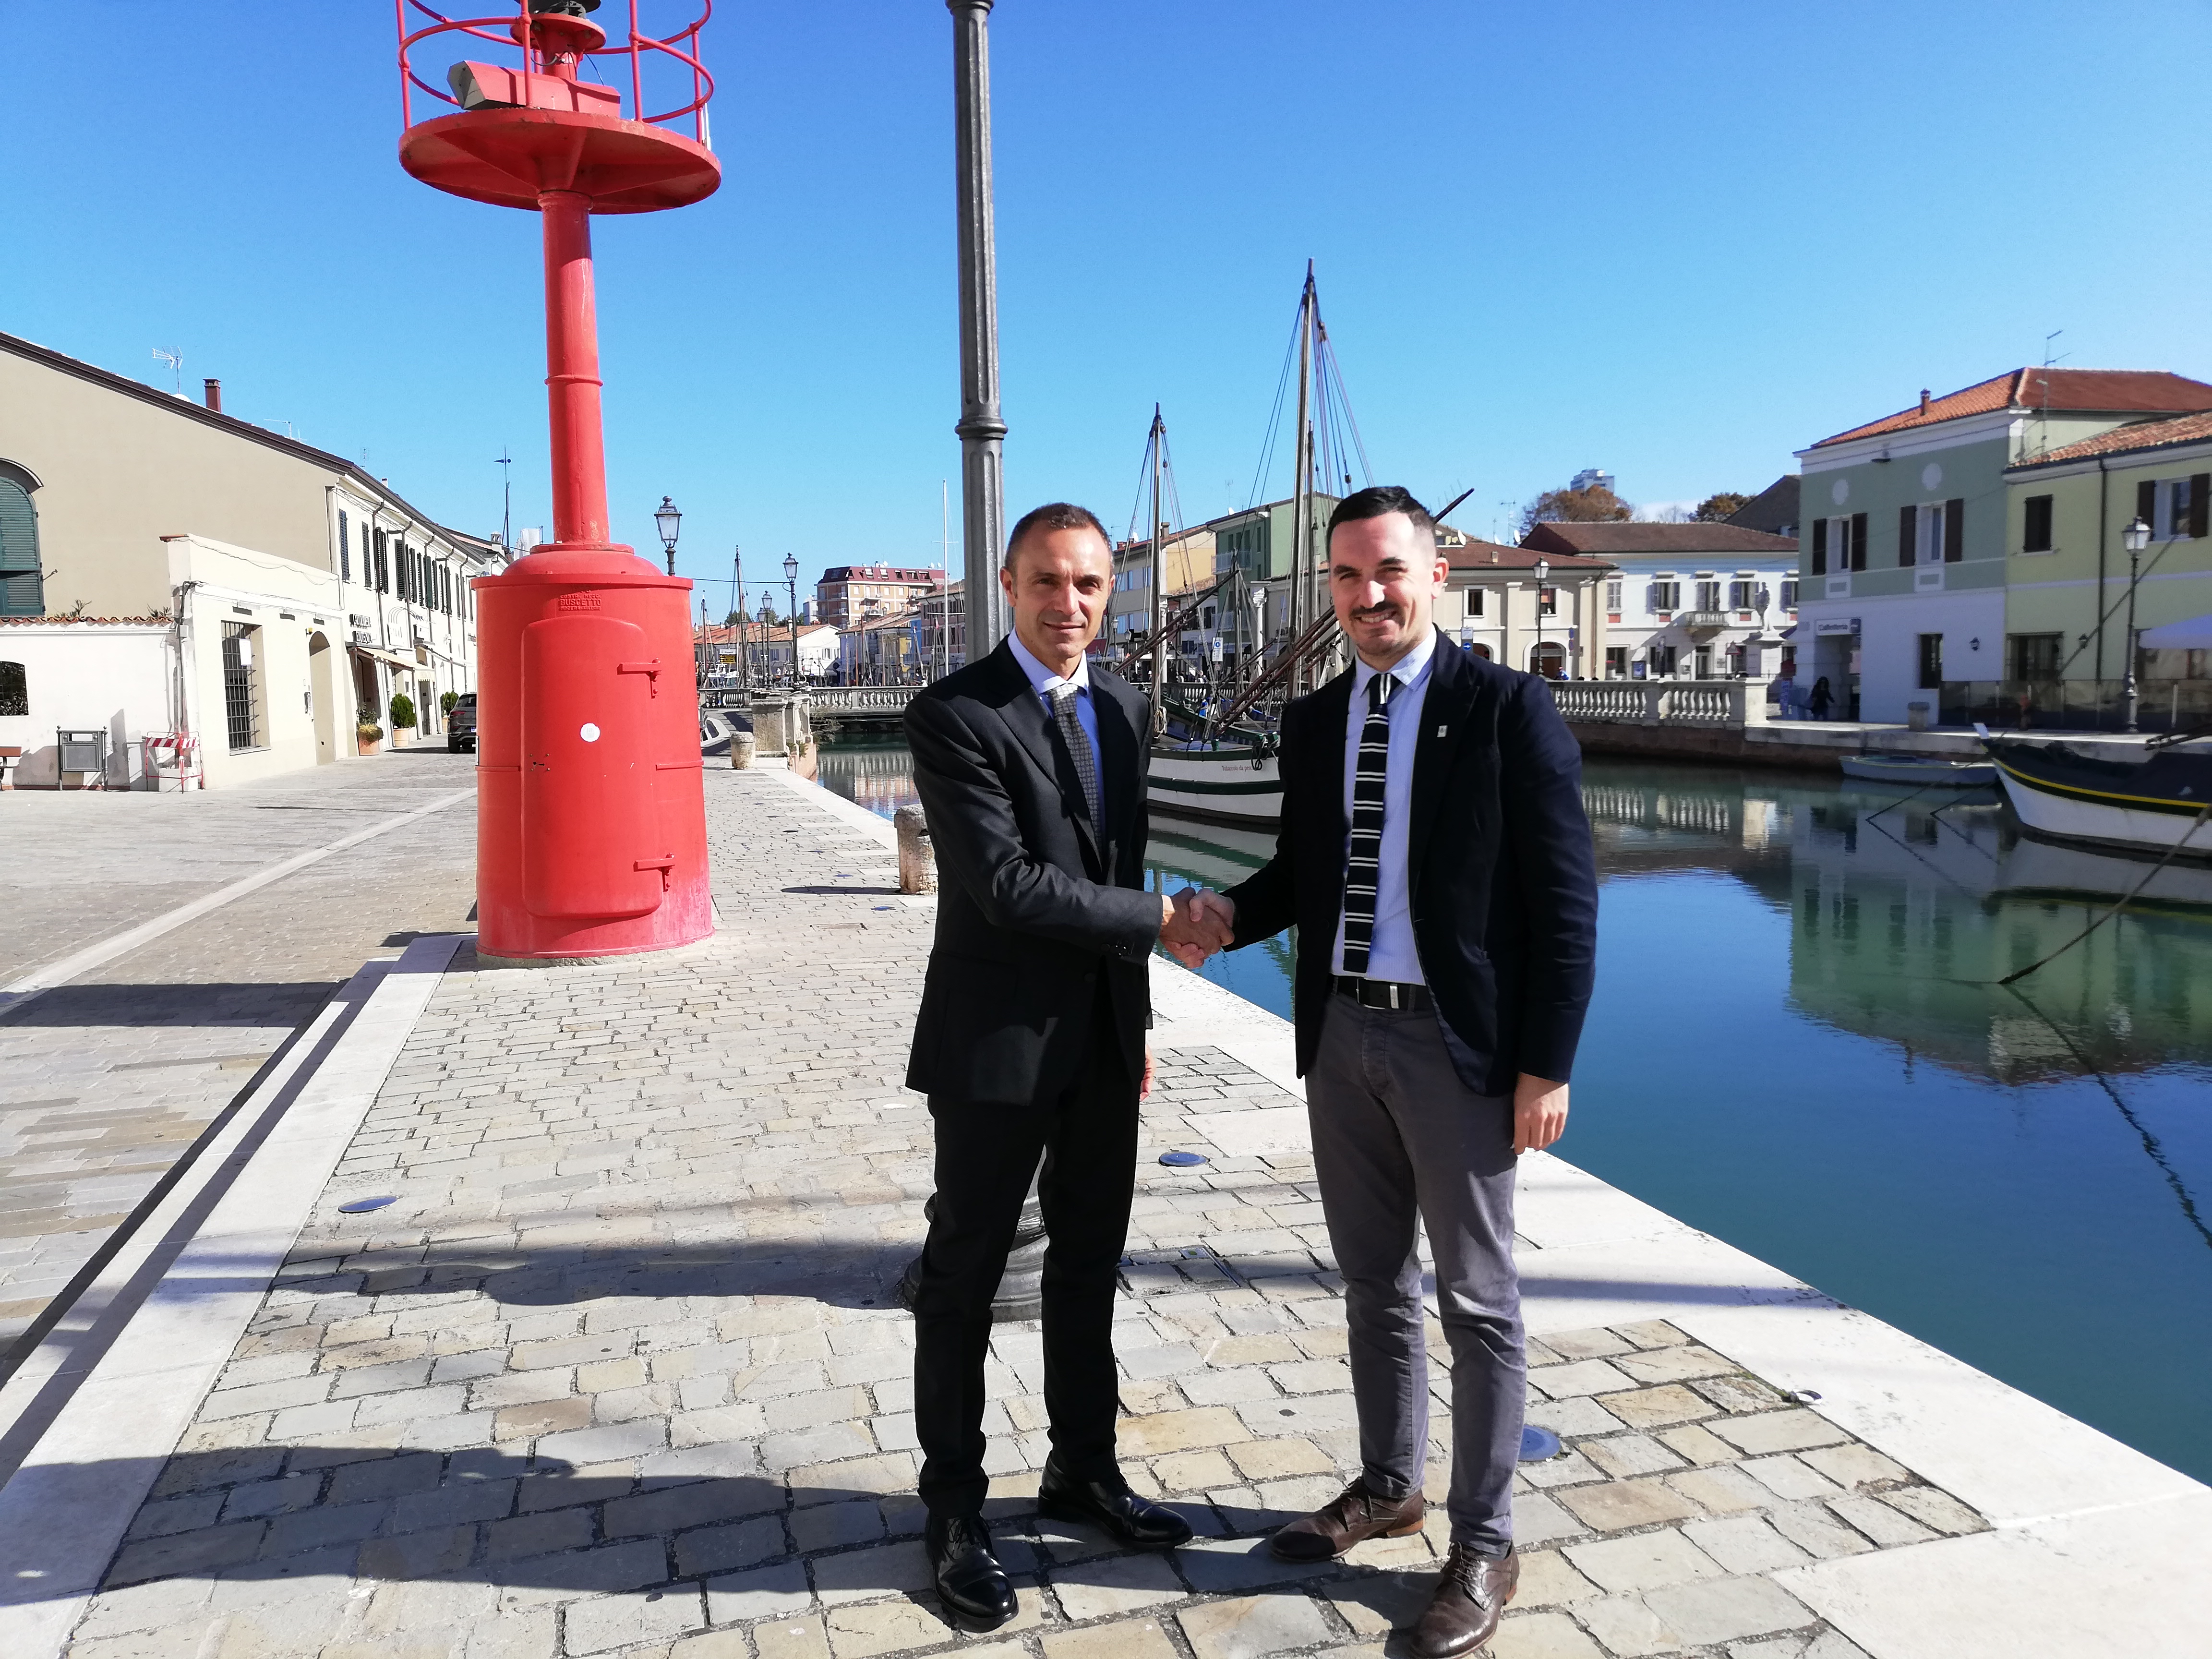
(682, 47)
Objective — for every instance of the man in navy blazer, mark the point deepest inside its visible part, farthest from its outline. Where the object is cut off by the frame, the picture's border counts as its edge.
(1436, 860)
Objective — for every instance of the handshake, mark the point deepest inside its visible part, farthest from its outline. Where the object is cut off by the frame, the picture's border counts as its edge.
(1196, 923)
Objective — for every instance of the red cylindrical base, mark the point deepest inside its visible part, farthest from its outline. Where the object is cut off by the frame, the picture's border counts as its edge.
(591, 818)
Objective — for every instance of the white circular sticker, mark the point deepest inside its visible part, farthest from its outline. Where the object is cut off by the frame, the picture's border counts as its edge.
(1841, 492)
(590, 733)
(1930, 476)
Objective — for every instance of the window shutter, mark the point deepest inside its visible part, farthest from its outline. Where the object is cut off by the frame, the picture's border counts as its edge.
(2200, 504)
(2147, 504)
(1858, 541)
(1954, 531)
(345, 547)
(1908, 532)
(22, 584)
(1819, 547)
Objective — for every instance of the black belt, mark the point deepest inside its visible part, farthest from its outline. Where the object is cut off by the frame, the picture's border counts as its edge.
(1385, 993)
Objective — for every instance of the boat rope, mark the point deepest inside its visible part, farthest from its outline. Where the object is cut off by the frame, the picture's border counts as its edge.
(2195, 825)
(2151, 1143)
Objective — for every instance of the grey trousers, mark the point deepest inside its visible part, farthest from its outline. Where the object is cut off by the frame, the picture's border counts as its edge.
(1395, 1134)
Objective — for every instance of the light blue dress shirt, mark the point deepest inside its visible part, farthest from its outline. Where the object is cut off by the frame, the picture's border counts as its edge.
(1391, 954)
(1042, 680)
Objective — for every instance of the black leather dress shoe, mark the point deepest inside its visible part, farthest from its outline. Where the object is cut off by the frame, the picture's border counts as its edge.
(1111, 1507)
(969, 1580)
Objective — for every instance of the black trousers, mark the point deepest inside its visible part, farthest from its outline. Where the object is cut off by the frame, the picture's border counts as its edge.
(986, 1154)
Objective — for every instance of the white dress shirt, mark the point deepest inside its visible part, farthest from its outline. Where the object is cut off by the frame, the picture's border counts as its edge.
(1043, 682)
(1391, 954)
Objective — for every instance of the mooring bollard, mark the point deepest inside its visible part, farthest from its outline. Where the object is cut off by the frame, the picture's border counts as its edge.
(741, 750)
(917, 857)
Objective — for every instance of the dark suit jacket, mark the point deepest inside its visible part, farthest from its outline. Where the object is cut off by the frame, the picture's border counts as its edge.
(1501, 876)
(1033, 910)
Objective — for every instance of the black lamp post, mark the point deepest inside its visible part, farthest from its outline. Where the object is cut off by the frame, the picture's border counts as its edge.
(790, 582)
(668, 519)
(2135, 538)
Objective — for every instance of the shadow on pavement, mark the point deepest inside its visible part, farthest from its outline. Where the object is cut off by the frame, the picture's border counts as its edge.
(848, 1273)
(281, 1003)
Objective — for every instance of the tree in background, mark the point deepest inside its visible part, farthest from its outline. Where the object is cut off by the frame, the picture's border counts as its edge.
(1715, 509)
(1594, 505)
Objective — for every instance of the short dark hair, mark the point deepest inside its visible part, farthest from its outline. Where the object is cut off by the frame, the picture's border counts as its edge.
(1054, 515)
(1373, 503)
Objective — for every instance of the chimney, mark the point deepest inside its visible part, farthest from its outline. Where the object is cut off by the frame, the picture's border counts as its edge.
(1924, 400)
(214, 394)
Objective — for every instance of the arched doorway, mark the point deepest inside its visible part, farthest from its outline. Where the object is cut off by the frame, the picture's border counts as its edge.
(1480, 650)
(1548, 660)
(323, 697)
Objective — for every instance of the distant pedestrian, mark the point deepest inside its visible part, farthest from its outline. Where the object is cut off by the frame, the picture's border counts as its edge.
(1821, 697)
(1785, 694)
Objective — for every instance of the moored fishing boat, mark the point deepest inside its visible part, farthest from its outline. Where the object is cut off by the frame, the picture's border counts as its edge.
(2161, 802)
(1226, 780)
(1920, 771)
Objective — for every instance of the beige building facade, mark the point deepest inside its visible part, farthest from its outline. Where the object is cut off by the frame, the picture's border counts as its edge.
(290, 596)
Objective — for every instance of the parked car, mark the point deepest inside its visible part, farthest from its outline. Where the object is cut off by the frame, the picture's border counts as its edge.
(461, 726)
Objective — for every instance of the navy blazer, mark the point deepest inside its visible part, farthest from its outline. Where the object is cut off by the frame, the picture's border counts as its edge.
(1501, 876)
(1034, 906)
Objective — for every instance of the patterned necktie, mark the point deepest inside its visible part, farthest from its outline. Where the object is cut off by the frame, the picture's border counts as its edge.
(1363, 857)
(1078, 750)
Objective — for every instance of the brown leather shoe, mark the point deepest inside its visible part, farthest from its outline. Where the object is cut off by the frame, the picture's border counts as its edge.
(1470, 1598)
(1355, 1516)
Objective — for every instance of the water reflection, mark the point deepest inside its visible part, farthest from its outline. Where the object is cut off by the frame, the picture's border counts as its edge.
(1800, 1044)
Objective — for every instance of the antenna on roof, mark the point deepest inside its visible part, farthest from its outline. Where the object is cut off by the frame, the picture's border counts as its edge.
(176, 362)
(505, 464)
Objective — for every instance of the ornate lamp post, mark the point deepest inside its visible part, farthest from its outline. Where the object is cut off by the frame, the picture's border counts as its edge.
(668, 519)
(790, 582)
(982, 432)
(2135, 538)
(1259, 598)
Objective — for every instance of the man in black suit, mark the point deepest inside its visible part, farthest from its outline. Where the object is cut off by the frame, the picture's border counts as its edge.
(1436, 860)
(1031, 1040)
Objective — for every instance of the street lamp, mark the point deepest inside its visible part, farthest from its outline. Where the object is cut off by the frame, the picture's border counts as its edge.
(1760, 598)
(790, 582)
(2135, 538)
(1543, 571)
(668, 519)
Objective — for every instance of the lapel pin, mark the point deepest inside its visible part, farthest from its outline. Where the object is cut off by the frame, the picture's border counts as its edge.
(1441, 730)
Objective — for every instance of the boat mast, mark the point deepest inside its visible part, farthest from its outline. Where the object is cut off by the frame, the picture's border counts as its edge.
(1304, 592)
(1159, 448)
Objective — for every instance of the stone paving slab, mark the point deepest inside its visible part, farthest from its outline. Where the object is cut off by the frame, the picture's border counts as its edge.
(620, 1371)
(105, 1080)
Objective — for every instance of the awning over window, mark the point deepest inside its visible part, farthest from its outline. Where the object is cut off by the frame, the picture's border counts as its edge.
(391, 657)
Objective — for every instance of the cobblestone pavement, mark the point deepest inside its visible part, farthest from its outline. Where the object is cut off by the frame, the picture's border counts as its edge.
(619, 1371)
(105, 1080)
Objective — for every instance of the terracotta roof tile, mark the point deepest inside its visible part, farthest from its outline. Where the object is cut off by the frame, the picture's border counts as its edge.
(2104, 391)
(1628, 537)
(2125, 439)
(1480, 554)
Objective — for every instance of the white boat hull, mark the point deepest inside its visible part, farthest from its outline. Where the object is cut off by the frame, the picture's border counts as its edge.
(2100, 824)
(1916, 773)
(1219, 786)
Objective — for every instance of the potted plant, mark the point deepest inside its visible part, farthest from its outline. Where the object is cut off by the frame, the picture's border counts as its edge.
(367, 735)
(447, 701)
(403, 716)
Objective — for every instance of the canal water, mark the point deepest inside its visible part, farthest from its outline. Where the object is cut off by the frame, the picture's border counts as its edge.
(1798, 1045)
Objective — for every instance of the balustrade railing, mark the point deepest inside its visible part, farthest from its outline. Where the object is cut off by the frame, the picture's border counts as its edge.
(1663, 702)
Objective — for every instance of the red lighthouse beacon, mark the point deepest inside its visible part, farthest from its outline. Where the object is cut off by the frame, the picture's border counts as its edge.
(592, 830)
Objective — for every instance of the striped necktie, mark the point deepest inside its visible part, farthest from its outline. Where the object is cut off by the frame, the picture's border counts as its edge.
(1364, 856)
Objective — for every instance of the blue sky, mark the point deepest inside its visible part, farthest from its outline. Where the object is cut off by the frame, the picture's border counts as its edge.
(1675, 241)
